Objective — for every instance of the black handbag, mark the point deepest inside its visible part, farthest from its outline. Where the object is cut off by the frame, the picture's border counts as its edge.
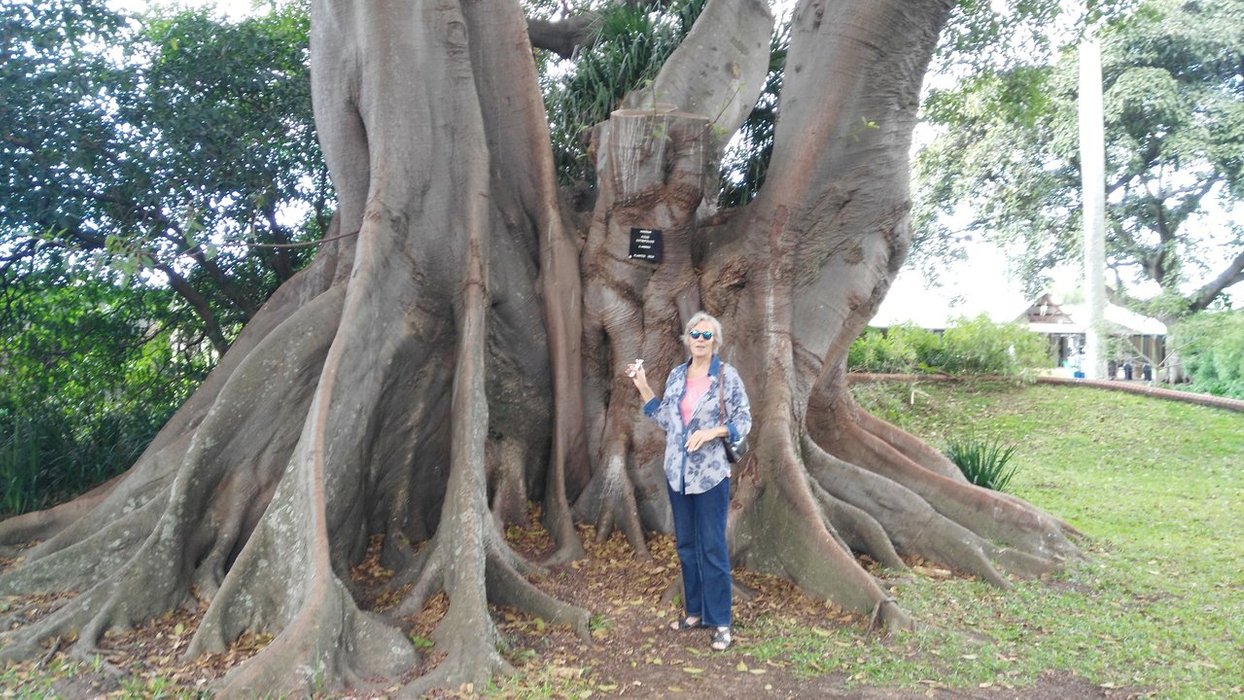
(734, 450)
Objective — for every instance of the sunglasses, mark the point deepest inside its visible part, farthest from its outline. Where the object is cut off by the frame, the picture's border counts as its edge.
(696, 335)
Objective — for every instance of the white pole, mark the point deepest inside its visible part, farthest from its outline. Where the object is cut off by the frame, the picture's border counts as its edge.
(1093, 182)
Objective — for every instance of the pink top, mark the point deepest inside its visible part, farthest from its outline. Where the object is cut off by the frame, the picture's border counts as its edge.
(695, 389)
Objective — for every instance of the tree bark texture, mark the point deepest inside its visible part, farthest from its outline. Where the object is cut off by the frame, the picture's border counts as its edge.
(461, 356)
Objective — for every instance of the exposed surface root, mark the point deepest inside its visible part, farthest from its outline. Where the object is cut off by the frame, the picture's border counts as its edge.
(1004, 520)
(329, 644)
(467, 634)
(859, 531)
(68, 569)
(911, 524)
(44, 524)
(909, 445)
(144, 488)
(610, 500)
(781, 528)
(506, 586)
(922, 501)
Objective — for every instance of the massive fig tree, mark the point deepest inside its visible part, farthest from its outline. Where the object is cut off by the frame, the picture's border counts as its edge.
(456, 351)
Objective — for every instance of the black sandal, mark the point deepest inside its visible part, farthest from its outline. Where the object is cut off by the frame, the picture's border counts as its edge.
(691, 622)
(721, 639)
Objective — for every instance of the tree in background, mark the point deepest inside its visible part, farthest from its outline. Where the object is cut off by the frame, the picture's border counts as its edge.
(139, 163)
(1007, 156)
(158, 153)
(455, 350)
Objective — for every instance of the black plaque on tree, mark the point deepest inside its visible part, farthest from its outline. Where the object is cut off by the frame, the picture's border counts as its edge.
(646, 244)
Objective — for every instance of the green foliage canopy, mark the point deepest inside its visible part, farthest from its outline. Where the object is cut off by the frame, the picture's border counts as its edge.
(159, 150)
(89, 371)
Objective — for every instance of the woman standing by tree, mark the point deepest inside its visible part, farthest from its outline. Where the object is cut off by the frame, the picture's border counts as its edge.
(704, 401)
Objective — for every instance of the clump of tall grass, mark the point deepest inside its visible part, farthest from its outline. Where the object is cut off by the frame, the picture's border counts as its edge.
(984, 461)
(19, 468)
(45, 459)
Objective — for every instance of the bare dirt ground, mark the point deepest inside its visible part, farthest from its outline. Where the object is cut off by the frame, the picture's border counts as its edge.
(631, 652)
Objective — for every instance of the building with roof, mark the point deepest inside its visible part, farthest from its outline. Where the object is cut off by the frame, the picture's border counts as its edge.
(1137, 343)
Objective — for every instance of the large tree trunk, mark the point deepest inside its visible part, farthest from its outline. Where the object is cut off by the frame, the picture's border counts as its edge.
(460, 356)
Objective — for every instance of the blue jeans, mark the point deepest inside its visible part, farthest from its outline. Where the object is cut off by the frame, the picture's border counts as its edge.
(700, 534)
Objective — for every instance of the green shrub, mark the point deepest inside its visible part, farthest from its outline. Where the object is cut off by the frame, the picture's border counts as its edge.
(19, 468)
(48, 458)
(888, 352)
(89, 372)
(1212, 348)
(968, 347)
(930, 352)
(983, 461)
(980, 346)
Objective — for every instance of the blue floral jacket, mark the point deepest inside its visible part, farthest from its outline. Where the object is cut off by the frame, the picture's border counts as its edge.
(699, 471)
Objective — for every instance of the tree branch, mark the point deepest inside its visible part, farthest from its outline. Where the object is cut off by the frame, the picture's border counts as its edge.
(697, 79)
(218, 276)
(200, 305)
(278, 259)
(565, 36)
(1203, 297)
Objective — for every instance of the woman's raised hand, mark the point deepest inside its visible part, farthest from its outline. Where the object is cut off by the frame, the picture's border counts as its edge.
(635, 371)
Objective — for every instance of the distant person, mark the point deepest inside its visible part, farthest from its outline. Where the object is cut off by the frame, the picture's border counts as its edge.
(697, 471)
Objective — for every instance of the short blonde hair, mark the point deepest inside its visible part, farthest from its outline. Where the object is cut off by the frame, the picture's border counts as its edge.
(702, 317)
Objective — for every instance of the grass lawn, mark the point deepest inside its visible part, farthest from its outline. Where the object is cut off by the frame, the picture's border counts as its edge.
(1157, 488)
